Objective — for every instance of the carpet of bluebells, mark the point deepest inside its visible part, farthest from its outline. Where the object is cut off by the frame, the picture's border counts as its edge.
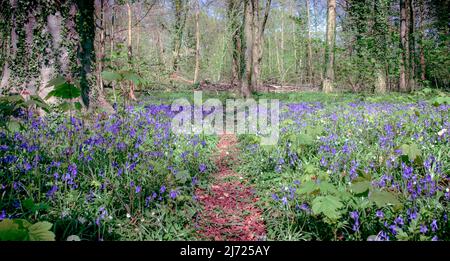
(355, 171)
(123, 176)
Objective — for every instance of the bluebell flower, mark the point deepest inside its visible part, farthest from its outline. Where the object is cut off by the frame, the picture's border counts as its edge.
(383, 236)
(202, 168)
(194, 181)
(399, 221)
(138, 189)
(434, 225)
(162, 189)
(173, 194)
(3, 215)
(52, 191)
(275, 197)
(379, 214)
(393, 229)
(423, 229)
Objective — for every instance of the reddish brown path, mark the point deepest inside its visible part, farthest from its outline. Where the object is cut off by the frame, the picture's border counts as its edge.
(229, 210)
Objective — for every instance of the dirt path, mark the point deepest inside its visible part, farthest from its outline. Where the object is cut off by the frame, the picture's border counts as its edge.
(229, 210)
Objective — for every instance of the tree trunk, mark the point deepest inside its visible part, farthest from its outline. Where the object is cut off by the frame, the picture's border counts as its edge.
(328, 81)
(309, 53)
(237, 33)
(130, 50)
(421, 41)
(412, 47)
(380, 85)
(404, 44)
(197, 41)
(248, 30)
(86, 49)
(180, 20)
(101, 101)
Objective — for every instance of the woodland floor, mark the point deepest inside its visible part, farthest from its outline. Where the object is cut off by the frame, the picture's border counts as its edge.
(229, 210)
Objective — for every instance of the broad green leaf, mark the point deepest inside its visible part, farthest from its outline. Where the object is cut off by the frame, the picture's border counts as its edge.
(111, 76)
(65, 106)
(326, 187)
(304, 139)
(182, 176)
(78, 106)
(12, 231)
(56, 82)
(131, 77)
(327, 205)
(41, 232)
(360, 187)
(383, 198)
(13, 126)
(65, 91)
(412, 151)
(28, 204)
(73, 238)
(307, 187)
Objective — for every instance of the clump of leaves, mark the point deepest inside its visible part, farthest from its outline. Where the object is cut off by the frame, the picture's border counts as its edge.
(22, 230)
(11, 106)
(67, 91)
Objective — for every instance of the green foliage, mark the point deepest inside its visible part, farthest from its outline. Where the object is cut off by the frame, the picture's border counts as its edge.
(12, 106)
(367, 158)
(22, 230)
(66, 91)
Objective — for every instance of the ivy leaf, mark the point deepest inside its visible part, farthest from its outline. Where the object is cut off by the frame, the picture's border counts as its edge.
(41, 232)
(383, 198)
(327, 205)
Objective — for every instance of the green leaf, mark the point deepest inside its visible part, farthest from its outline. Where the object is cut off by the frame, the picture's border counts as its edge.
(13, 126)
(360, 187)
(304, 139)
(78, 106)
(182, 176)
(12, 231)
(41, 232)
(327, 205)
(412, 151)
(65, 91)
(58, 81)
(132, 77)
(28, 204)
(65, 106)
(326, 187)
(73, 238)
(307, 187)
(383, 198)
(111, 76)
